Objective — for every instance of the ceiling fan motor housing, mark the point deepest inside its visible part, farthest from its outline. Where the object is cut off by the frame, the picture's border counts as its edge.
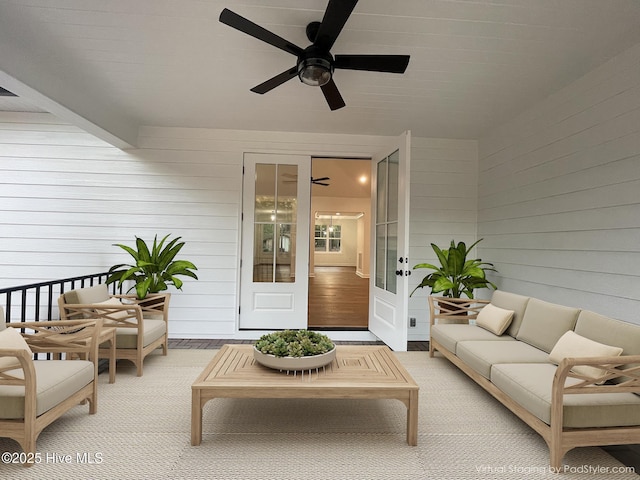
(315, 66)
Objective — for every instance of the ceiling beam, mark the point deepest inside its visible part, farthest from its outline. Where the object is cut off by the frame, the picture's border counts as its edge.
(29, 70)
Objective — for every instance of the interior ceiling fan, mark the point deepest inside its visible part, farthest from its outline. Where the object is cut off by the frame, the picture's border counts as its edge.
(316, 181)
(315, 64)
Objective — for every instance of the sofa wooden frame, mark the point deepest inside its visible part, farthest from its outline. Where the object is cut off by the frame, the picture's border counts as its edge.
(112, 315)
(558, 438)
(71, 337)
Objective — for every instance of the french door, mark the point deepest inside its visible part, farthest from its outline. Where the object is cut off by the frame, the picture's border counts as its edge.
(275, 241)
(388, 290)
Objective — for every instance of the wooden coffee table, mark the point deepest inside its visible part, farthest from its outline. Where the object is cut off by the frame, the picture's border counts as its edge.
(367, 372)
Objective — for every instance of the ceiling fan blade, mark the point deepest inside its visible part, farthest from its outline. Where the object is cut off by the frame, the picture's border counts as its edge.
(275, 81)
(320, 183)
(321, 179)
(332, 95)
(373, 63)
(247, 26)
(335, 16)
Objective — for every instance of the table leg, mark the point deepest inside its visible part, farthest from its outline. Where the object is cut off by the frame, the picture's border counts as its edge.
(196, 417)
(412, 418)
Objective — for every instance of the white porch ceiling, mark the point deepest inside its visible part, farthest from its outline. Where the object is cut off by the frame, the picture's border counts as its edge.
(474, 64)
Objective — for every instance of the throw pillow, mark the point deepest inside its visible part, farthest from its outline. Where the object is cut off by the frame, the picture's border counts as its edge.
(573, 345)
(113, 314)
(11, 339)
(494, 319)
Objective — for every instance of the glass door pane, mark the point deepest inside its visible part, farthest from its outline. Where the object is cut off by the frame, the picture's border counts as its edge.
(275, 216)
(387, 223)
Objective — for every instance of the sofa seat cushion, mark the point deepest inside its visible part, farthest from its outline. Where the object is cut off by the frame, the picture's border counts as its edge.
(449, 335)
(530, 386)
(128, 337)
(56, 380)
(481, 355)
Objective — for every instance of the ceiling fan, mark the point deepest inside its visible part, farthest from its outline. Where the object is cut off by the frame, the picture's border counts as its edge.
(316, 181)
(315, 64)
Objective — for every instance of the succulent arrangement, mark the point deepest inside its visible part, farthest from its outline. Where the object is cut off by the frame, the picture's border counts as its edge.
(294, 343)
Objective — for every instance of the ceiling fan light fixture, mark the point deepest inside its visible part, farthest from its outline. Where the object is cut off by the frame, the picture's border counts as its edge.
(315, 71)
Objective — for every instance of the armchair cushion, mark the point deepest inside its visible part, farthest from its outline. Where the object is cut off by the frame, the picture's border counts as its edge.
(127, 337)
(11, 339)
(56, 380)
(94, 294)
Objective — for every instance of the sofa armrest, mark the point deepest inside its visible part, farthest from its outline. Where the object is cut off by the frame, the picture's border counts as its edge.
(454, 308)
(628, 380)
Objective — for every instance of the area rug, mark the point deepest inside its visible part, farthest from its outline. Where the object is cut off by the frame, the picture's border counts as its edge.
(142, 431)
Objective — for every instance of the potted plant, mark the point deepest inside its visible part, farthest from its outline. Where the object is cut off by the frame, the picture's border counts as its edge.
(294, 350)
(456, 276)
(154, 269)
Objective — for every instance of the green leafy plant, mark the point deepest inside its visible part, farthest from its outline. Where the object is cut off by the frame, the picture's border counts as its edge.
(154, 269)
(294, 343)
(456, 275)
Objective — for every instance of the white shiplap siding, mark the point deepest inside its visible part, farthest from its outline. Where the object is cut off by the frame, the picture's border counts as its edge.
(444, 176)
(66, 197)
(559, 194)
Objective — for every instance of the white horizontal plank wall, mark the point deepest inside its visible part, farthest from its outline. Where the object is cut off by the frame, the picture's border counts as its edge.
(559, 194)
(444, 177)
(67, 197)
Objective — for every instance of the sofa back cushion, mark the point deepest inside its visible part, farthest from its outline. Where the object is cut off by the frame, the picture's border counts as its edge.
(511, 301)
(544, 323)
(611, 332)
(3, 321)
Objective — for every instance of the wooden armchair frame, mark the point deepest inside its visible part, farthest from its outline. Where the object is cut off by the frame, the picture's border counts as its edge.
(70, 337)
(128, 315)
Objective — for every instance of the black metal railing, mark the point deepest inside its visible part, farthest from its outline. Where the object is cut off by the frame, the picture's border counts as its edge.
(39, 301)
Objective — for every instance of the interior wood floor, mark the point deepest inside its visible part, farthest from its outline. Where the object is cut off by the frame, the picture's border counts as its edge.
(338, 298)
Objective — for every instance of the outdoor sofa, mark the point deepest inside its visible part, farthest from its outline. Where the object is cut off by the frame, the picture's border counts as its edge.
(580, 388)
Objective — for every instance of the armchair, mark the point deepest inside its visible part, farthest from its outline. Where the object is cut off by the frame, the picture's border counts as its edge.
(141, 325)
(34, 393)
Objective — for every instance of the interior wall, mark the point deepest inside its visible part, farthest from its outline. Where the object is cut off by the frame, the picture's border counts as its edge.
(345, 204)
(347, 257)
(559, 194)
